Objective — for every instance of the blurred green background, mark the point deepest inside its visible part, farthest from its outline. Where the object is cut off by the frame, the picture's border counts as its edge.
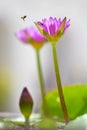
(5, 89)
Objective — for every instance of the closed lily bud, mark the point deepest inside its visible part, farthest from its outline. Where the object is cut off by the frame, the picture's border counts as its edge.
(26, 103)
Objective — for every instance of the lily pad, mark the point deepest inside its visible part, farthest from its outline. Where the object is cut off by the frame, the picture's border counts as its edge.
(75, 98)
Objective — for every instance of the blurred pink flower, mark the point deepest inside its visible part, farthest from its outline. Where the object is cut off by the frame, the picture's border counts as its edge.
(53, 28)
(31, 35)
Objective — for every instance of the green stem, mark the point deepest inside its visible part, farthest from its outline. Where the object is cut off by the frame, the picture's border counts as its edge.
(41, 81)
(59, 85)
(27, 124)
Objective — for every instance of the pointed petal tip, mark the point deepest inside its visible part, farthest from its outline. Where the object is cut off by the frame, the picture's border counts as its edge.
(65, 18)
(25, 89)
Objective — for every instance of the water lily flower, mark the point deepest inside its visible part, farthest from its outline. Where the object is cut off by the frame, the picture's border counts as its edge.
(53, 28)
(32, 36)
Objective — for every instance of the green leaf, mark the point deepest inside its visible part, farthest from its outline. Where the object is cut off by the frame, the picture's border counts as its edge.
(26, 103)
(75, 98)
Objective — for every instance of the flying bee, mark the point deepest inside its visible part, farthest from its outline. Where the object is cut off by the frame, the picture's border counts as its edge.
(24, 17)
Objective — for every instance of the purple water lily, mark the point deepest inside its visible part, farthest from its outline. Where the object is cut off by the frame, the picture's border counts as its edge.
(31, 35)
(53, 28)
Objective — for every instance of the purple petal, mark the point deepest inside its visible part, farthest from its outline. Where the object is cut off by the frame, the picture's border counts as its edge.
(52, 26)
(67, 24)
(56, 25)
(21, 36)
(46, 25)
(35, 34)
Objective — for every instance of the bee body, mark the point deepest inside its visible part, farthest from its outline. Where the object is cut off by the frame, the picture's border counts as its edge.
(23, 17)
